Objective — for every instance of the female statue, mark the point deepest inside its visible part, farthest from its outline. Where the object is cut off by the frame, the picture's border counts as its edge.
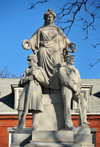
(49, 42)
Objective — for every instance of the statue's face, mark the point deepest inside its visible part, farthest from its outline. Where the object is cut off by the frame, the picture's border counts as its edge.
(70, 61)
(30, 62)
(49, 19)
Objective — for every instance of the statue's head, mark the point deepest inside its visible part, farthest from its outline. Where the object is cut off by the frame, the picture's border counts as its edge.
(49, 17)
(32, 59)
(69, 59)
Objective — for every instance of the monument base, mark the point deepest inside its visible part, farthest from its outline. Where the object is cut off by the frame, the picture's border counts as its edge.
(77, 137)
(20, 137)
(52, 145)
(52, 139)
(51, 132)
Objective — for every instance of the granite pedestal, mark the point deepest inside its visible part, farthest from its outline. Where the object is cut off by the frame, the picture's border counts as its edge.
(51, 131)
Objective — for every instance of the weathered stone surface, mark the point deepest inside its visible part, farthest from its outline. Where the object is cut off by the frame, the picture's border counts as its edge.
(83, 138)
(31, 97)
(53, 136)
(53, 114)
(71, 88)
(84, 129)
(51, 46)
(49, 43)
(52, 145)
(53, 139)
(21, 138)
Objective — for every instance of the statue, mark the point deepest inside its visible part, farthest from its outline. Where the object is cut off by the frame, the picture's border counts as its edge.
(31, 97)
(71, 86)
(52, 79)
(49, 42)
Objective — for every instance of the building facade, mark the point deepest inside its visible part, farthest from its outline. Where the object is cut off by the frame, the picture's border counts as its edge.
(9, 95)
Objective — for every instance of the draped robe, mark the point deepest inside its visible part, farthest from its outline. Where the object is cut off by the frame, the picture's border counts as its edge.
(50, 42)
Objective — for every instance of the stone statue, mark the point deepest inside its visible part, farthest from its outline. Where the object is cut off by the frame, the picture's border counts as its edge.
(49, 42)
(31, 97)
(71, 86)
(56, 81)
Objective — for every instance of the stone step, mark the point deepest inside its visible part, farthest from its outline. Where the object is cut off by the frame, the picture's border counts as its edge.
(84, 129)
(83, 138)
(60, 144)
(87, 145)
(21, 139)
(53, 136)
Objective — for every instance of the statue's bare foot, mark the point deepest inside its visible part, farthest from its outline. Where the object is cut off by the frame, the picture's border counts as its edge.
(34, 127)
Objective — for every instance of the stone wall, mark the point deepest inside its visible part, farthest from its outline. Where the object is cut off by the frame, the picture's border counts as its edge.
(7, 121)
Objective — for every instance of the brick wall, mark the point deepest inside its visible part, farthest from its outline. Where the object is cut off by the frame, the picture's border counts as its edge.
(12, 120)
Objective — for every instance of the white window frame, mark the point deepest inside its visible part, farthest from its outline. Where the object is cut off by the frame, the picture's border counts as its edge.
(87, 88)
(86, 91)
(16, 96)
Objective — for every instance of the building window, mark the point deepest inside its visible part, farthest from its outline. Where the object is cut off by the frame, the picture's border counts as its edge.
(86, 90)
(17, 92)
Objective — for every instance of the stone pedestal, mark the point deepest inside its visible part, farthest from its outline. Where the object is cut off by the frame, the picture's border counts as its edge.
(77, 137)
(52, 118)
(52, 138)
(51, 132)
(83, 136)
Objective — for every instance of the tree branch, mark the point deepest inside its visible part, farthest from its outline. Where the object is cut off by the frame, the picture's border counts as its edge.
(38, 2)
(91, 65)
(95, 45)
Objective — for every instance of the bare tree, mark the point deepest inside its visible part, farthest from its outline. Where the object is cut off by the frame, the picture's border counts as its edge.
(5, 73)
(82, 13)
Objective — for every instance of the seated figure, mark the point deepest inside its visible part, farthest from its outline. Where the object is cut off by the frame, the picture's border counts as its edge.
(31, 97)
(71, 87)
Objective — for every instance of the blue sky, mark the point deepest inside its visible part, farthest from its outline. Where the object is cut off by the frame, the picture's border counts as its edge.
(18, 23)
